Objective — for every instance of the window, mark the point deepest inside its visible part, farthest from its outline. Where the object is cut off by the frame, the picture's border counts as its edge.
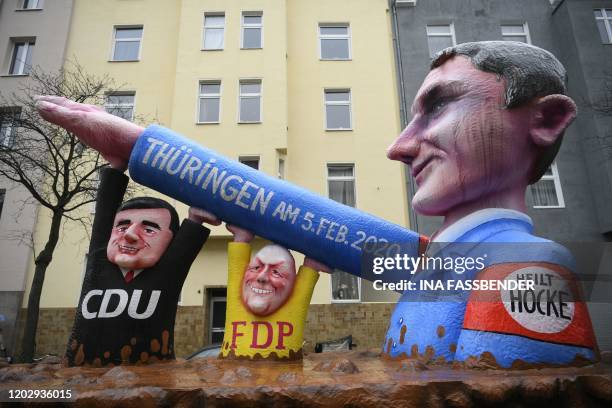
(252, 29)
(9, 119)
(515, 32)
(126, 43)
(31, 4)
(2, 194)
(218, 307)
(121, 104)
(209, 102)
(281, 168)
(338, 109)
(251, 161)
(341, 188)
(334, 42)
(341, 183)
(440, 37)
(603, 19)
(250, 101)
(547, 192)
(21, 59)
(214, 29)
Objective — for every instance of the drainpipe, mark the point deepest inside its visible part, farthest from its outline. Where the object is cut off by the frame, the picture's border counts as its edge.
(414, 224)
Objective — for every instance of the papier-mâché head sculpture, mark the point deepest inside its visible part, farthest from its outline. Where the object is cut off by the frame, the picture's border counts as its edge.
(268, 281)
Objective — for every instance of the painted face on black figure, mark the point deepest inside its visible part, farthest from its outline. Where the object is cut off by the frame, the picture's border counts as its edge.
(139, 237)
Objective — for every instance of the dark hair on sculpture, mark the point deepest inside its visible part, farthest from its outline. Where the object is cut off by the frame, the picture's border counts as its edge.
(529, 72)
(152, 202)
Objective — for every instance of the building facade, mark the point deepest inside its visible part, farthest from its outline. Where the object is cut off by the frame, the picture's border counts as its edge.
(33, 33)
(301, 90)
(572, 202)
(313, 92)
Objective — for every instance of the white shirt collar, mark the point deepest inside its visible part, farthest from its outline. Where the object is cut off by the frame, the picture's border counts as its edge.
(473, 220)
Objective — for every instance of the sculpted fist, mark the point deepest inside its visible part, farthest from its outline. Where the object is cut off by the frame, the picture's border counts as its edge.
(317, 266)
(200, 216)
(240, 234)
(110, 135)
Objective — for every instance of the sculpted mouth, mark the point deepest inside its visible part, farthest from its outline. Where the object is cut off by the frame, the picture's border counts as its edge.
(260, 291)
(125, 249)
(417, 168)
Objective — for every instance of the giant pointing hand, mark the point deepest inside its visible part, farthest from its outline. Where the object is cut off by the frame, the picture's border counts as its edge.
(318, 227)
(110, 135)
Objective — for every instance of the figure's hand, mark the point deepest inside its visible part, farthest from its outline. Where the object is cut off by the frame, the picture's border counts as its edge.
(202, 216)
(240, 235)
(317, 266)
(112, 136)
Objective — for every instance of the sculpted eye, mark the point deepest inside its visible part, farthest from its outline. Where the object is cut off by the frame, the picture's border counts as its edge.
(150, 230)
(121, 228)
(438, 106)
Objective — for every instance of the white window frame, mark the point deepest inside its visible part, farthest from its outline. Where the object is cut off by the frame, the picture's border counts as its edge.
(250, 95)
(451, 26)
(331, 291)
(210, 317)
(243, 26)
(108, 106)
(208, 96)
(348, 103)
(607, 19)
(335, 37)
(558, 191)
(524, 33)
(29, 44)
(352, 178)
(250, 157)
(115, 40)
(281, 166)
(8, 136)
(38, 5)
(213, 14)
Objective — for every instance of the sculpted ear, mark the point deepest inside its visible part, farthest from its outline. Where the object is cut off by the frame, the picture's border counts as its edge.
(551, 115)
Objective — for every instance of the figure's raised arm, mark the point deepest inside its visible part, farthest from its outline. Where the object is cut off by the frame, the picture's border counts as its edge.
(240, 234)
(110, 135)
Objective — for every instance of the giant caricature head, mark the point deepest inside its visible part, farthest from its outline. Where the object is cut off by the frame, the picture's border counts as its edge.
(142, 230)
(487, 121)
(268, 280)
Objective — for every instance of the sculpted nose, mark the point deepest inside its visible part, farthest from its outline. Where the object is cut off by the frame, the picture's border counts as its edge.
(262, 277)
(406, 147)
(131, 235)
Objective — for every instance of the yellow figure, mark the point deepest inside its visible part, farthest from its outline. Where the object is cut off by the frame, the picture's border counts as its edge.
(267, 302)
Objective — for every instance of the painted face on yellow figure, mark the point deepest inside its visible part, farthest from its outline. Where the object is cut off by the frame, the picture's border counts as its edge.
(268, 281)
(139, 237)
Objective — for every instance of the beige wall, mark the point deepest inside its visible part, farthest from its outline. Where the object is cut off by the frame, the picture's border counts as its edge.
(293, 78)
(50, 27)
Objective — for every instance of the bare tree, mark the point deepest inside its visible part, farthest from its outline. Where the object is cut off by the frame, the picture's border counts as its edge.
(59, 172)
